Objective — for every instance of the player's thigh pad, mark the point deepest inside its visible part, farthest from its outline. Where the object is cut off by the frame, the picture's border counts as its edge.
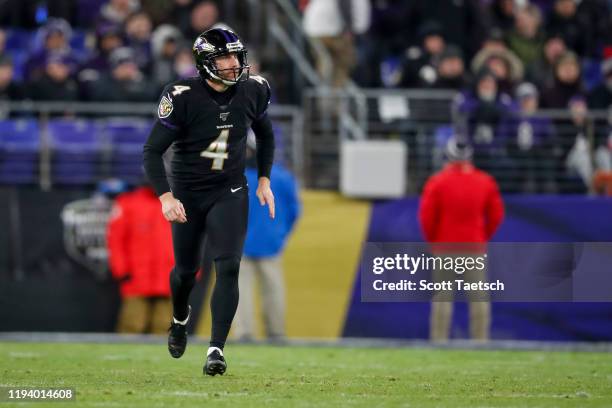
(226, 224)
(186, 241)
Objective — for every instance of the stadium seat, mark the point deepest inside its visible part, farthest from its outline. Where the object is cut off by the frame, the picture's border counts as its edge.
(77, 148)
(15, 172)
(128, 134)
(20, 136)
(126, 137)
(77, 138)
(19, 151)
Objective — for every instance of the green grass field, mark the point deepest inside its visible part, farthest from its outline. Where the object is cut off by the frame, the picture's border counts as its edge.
(129, 375)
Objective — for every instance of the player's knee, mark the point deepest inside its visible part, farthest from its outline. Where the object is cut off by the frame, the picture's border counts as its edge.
(228, 267)
(182, 277)
(185, 269)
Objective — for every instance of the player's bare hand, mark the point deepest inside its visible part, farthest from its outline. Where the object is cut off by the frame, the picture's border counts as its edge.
(264, 194)
(172, 208)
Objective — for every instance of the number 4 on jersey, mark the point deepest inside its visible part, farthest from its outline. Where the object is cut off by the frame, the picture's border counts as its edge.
(217, 150)
(260, 79)
(179, 89)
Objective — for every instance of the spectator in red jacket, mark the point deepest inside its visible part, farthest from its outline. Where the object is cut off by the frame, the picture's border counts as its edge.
(460, 204)
(140, 254)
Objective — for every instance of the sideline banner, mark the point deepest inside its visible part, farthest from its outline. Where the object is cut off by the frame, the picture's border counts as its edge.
(529, 219)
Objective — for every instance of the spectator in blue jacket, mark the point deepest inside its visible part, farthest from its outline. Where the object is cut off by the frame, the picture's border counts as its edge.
(263, 249)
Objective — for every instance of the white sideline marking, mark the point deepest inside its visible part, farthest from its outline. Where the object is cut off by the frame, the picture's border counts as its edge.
(207, 394)
(115, 357)
(23, 354)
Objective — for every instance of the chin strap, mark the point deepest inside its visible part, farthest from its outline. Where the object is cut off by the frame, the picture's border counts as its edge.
(217, 78)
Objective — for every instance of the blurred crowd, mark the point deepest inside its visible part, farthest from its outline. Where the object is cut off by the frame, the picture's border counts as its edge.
(97, 50)
(107, 50)
(507, 59)
(563, 47)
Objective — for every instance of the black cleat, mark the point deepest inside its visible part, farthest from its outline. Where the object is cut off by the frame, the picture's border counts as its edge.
(215, 364)
(177, 338)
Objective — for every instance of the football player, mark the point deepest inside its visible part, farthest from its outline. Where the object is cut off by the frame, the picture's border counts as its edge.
(206, 119)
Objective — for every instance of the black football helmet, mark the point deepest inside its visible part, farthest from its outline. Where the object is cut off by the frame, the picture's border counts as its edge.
(215, 43)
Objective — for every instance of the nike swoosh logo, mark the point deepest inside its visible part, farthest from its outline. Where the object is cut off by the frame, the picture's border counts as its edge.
(233, 190)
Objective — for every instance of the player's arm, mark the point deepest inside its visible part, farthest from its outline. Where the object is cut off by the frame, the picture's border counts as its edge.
(264, 136)
(159, 141)
(171, 114)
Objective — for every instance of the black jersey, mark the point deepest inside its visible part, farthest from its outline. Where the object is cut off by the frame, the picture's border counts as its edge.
(208, 133)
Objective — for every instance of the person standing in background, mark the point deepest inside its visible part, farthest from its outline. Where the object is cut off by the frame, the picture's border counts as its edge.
(484, 108)
(335, 23)
(10, 89)
(140, 255)
(529, 139)
(263, 248)
(565, 84)
(460, 204)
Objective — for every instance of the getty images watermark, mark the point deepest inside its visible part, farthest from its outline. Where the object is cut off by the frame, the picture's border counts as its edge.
(442, 266)
(506, 272)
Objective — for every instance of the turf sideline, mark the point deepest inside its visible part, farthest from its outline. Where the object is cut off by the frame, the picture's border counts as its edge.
(113, 338)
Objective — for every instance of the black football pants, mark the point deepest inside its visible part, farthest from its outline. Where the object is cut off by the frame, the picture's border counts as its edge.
(220, 217)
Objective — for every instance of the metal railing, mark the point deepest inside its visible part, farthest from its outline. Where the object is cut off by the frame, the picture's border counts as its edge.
(287, 121)
(309, 137)
(275, 28)
(285, 27)
(511, 150)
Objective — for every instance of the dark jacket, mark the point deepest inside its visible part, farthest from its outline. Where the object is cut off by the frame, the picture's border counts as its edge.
(46, 89)
(108, 89)
(558, 94)
(600, 97)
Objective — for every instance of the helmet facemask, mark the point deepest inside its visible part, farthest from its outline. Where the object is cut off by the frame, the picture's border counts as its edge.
(239, 74)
